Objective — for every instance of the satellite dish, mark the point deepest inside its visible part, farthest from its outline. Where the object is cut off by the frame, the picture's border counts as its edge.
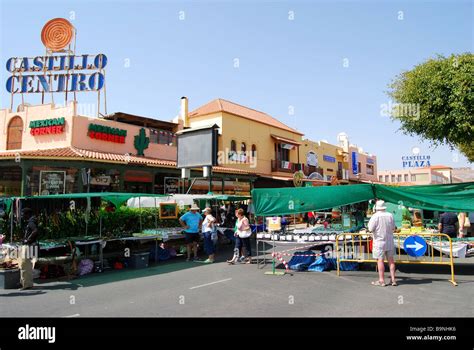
(315, 176)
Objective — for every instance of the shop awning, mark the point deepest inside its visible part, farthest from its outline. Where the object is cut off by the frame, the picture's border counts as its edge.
(285, 140)
(283, 201)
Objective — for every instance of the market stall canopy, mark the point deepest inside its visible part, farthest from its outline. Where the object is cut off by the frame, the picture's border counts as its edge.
(455, 197)
(285, 201)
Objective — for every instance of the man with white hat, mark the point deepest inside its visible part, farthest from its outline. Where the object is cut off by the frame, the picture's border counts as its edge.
(191, 222)
(382, 225)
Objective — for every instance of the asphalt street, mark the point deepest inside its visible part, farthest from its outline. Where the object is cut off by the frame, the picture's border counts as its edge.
(179, 288)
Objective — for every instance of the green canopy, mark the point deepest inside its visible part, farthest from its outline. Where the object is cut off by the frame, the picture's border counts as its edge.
(283, 201)
(456, 197)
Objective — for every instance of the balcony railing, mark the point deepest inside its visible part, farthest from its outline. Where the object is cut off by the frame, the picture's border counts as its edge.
(286, 167)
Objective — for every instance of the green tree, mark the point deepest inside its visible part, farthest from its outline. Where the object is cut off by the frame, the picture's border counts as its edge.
(436, 101)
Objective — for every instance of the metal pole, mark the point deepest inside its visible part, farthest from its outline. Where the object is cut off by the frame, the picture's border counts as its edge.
(140, 213)
(11, 222)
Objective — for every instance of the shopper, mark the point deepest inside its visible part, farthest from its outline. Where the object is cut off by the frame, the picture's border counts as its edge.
(208, 230)
(29, 249)
(243, 235)
(447, 224)
(464, 224)
(417, 220)
(191, 222)
(382, 225)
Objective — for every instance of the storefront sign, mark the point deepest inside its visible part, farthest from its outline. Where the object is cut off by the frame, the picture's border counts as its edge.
(329, 159)
(47, 126)
(416, 161)
(101, 180)
(52, 182)
(171, 185)
(51, 74)
(355, 163)
(106, 133)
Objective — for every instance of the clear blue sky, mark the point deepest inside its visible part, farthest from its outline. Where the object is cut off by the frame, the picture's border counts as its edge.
(283, 62)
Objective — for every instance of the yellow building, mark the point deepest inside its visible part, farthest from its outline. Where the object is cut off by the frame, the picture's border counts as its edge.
(251, 140)
(325, 159)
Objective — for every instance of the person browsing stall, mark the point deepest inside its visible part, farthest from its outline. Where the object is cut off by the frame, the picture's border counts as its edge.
(28, 249)
(447, 224)
(382, 225)
(208, 228)
(191, 222)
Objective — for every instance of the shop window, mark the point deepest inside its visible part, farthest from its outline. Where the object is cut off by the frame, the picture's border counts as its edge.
(10, 181)
(162, 137)
(15, 133)
(49, 180)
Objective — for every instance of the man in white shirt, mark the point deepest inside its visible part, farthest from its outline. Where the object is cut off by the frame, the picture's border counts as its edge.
(382, 225)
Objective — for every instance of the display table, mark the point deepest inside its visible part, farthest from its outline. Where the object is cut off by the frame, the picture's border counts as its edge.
(292, 246)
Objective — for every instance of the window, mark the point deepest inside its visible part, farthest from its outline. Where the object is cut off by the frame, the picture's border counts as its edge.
(370, 169)
(380, 178)
(15, 133)
(399, 178)
(405, 178)
(243, 148)
(162, 137)
(393, 178)
(359, 168)
(387, 178)
(254, 151)
(233, 146)
(413, 178)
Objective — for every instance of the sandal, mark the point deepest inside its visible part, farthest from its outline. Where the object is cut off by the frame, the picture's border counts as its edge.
(379, 284)
(394, 283)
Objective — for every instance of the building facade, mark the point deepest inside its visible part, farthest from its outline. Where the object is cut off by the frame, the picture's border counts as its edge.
(46, 149)
(414, 176)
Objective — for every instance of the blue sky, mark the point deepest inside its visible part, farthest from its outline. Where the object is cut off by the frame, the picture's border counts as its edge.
(155, 57)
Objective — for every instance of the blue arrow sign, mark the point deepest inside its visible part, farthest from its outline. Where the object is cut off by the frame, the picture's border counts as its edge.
(415, 246)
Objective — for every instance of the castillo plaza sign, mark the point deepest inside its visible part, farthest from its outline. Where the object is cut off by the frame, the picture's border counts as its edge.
(55, 72)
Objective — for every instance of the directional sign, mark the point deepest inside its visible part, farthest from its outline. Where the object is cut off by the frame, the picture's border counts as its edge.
(415, 246)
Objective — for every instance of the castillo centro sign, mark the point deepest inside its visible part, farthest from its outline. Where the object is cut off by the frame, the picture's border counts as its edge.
(106, 133)
(53, 74)
(63, 72)
(47, 126)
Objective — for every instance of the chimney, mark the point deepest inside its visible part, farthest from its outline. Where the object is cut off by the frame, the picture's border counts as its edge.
(184, 112)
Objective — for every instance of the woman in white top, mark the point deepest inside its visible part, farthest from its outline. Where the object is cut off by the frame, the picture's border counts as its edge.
(208, 228)
(242, 238)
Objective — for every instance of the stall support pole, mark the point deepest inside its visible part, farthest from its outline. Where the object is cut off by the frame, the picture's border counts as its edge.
(156, 231)
(140, 213)
(101, 251)
(11, 221)
(273, 272)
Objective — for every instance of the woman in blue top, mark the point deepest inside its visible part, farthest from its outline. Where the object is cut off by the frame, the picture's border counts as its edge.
(191, 222)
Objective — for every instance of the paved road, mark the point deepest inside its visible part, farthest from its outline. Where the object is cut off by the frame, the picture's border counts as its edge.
(178, 288)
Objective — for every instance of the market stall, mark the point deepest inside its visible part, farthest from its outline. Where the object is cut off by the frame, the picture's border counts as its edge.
(272, 203)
